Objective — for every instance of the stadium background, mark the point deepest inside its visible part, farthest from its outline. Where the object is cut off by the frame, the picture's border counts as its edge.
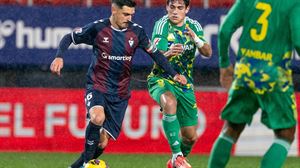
(43, 112)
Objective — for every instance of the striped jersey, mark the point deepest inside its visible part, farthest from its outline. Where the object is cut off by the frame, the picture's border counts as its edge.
(113, 50)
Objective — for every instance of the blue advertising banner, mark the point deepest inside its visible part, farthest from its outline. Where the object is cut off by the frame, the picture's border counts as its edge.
(30, 35)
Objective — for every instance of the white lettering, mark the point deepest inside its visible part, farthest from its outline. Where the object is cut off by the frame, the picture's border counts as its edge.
(5, 119)
(51, 120)
(141, 131)
(19, 130)
(202, 123)
(73, 122)
(29, 37)
(156, 125)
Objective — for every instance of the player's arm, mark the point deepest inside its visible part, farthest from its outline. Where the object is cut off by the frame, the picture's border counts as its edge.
(162, 62)
(295, 27)
(160, 41)
(203, 47)
(159, 58)
(78, 36)
(58, 63)
(231, 23)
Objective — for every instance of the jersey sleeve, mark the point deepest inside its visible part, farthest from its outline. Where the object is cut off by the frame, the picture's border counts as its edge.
(197, 28)
(145, 43)
(232, 22)
(158, 57)
(295, 27)
(159, 37)
(84, 34)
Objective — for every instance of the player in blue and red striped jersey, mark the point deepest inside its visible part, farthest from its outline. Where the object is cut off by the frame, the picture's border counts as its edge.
(114, 42)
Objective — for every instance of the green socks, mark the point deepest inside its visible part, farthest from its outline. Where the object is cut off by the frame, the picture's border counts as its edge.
(220, 153)
(171, 128)
(276, 155)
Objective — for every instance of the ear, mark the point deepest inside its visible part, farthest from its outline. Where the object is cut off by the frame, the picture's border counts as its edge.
(187, 10)
(113, 9)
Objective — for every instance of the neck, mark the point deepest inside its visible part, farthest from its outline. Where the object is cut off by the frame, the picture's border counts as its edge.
(113, 23)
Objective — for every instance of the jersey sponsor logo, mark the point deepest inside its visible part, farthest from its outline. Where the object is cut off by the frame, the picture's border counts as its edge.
(188, 47)
(256, 54)
(116, 57)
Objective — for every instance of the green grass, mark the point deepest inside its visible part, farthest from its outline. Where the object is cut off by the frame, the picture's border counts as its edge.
(62, 160)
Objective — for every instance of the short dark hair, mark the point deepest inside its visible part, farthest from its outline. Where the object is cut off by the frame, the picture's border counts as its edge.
(186, 2)
(121, 3)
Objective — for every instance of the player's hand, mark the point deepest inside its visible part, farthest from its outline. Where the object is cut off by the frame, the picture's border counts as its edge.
(180, 79)
(56, 65)
(226, 77)
(190, 33)
(175, 49)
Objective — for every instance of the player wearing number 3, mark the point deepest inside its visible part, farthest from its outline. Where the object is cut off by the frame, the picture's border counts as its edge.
(262, 76)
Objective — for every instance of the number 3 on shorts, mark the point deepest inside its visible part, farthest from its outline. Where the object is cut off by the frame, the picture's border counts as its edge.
(262, 20)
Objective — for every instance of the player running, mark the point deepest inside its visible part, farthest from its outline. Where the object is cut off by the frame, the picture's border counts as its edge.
(178, 37)
(114, 42)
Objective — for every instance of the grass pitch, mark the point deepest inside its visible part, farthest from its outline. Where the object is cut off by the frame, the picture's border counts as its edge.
(62, 160)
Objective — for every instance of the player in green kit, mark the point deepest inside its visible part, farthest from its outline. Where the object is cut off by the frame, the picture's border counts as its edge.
(262, 77)
(178, 37)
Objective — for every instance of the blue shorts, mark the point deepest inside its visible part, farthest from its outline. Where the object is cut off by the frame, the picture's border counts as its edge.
(114, 109)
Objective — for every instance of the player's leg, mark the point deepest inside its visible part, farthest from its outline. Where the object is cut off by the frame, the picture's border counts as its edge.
(188, 139)
(92, 134)
(94, 101)
(187, 113)
(277, 153)
(161, 91)
(222, 147)
(170, 122)
(240, 107)
(79, 162)
(279, 113)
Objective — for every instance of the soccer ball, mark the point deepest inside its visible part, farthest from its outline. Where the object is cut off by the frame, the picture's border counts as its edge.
(96, 163)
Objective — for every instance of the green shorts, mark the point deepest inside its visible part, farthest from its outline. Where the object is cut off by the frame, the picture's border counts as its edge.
(187, 112)
(278, 108)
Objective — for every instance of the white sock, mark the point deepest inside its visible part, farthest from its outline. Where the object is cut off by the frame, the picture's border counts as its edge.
(174, 156)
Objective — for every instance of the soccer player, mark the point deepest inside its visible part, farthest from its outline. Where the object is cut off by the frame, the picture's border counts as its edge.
(178, 37)
(114, 42)
(262, 75)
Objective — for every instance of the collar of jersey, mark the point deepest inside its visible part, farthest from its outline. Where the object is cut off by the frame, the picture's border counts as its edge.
(119, 30)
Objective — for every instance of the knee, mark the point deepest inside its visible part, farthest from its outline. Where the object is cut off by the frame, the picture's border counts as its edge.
(171, 103)
(97, 116)
(190, 140)
(170, 106)
(233, 130)
(286, 134)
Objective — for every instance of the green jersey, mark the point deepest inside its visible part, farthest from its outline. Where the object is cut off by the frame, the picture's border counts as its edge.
(166, 34)
(271, 30)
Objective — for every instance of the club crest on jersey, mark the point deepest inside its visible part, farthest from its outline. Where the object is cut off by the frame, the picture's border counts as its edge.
(131, 42)
(105, 40)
